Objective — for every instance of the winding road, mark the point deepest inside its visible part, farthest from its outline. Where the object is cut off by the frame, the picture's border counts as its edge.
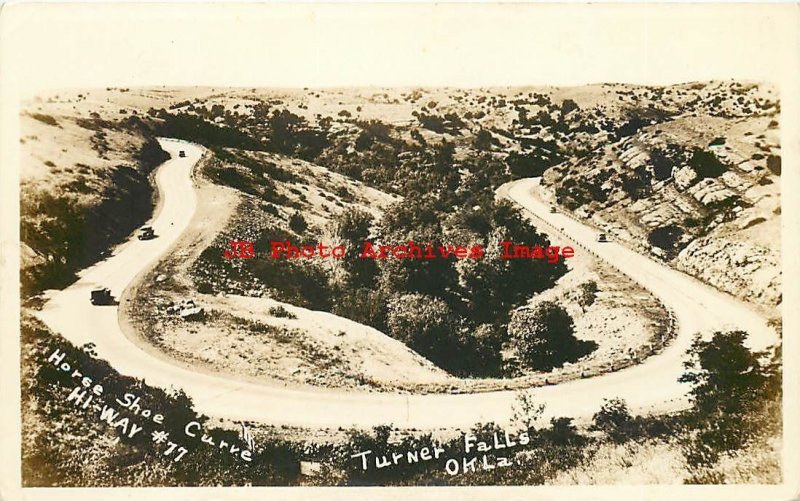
(651, 385)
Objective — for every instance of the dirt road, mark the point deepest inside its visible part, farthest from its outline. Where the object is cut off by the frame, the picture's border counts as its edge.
(651, 385)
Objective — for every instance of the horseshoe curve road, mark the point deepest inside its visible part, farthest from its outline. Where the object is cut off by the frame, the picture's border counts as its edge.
(651, 385)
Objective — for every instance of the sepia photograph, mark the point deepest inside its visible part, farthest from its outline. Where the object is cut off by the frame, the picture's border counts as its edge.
(282, 245)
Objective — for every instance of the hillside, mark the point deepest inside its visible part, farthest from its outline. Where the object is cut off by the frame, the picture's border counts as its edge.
(84, 185)
(689, 173)
(699, 191)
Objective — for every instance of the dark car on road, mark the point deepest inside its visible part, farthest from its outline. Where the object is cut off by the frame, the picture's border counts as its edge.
(182, 154)
(146, 233)
(101, 295)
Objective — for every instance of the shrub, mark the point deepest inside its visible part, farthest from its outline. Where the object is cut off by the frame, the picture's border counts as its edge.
(662, 165)
(567, 106)
(297, 223)
(774, 164)
(423, 323)
(637, 185)
(706, 164)
(730, 385)
(544, 336)
(351, 228)
(484, 140)
(587, 293)
(615, 420)
(528, 165)
(665, 237)
(281, 312)
(46, 119)
(194, 128)
(363, 305)
(562, 432)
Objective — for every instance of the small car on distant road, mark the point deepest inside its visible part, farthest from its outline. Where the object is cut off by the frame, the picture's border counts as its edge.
(602, 237)
(182, 154)
(553, 209)
(101, 295)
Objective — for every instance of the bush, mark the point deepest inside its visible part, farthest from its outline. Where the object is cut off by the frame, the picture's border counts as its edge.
(730, 386)
(567, 106)
(194, 128)
(527, 165)
(706, 164)
(544, 337)
(351, 228)
(665, 237)
(637, 185)
(615, 420)
(587, 293)
(423, 323)
(562, 432)
(662, 165)
(151, 154)
(45, 119)
(281, 312)
(484, 140)
(774, 164)
(363, 305)
(297, 223)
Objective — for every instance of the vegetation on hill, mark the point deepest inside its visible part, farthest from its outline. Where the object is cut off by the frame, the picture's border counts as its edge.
(69, 221)
(725, 437)
(65, 445)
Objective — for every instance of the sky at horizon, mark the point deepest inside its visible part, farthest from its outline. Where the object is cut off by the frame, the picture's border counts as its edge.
(390, 45)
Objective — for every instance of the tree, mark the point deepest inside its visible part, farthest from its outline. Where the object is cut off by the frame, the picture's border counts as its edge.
(480, 351)
(730, 385)
(637, 185)
(665, 237)
(774, 164)
(484, 140)
(567, 106)
(662, 164)
(544, 336)
(365, 306)
(526, 411)
(615, 420)
(532, 164)
(351, 228)
(587, 293)
(423, 323)
(706, 164)
(297, 223)
(562, 432)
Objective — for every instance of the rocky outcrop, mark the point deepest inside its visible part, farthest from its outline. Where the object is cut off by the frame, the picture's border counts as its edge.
(744, 269)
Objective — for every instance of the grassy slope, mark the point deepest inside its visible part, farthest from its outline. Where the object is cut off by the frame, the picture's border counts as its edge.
(67, 446)
(84, 187)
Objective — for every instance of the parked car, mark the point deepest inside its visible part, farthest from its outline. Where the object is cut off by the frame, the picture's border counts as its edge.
(602, 237)
(146, 233)
(553, 209)
(101, 295)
